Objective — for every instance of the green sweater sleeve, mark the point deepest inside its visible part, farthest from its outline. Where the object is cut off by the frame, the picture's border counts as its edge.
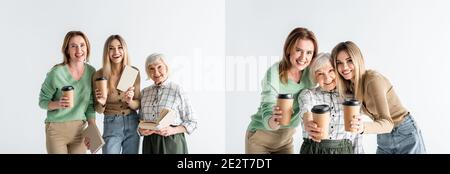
(90, 111)
(47, 91)
(268, 96)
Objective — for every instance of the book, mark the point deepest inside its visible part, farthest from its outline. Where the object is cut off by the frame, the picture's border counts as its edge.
(127, 78)
(95, 138)
(166, 118)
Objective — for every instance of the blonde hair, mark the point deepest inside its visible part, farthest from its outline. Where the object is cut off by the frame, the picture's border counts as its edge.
(152, 59)
(65, 46)
(346, 87)
(293, 37)
(321, 60)
(107, 61)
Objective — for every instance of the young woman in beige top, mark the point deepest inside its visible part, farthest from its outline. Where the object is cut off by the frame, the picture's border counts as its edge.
(397, 131)
(119, 107)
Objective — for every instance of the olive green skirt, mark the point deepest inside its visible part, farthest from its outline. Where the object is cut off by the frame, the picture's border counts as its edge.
(157, 144)
(326, 147)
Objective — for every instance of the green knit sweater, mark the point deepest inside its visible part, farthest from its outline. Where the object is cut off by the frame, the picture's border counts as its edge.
(259, 121)
(58, 77)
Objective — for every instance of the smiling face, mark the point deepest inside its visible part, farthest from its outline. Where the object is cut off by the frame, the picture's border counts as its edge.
(115, 51)
(345, 66)
(326, 77)
(157, 71)
(77, 49)
(301, 54)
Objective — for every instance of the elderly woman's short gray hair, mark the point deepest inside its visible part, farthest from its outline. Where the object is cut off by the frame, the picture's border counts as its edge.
(152, 59)
(321, 60)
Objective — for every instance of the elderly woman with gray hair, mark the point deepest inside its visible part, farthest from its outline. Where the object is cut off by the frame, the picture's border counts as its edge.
(339, 141)
(164, 94)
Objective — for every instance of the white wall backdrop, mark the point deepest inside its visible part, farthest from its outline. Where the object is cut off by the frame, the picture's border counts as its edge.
(190, 33)
(406, 40)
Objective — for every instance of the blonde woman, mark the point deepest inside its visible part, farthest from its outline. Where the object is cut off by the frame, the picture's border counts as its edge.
(338, 141)
(289, 76)
(165, 94)
(64, 124)
(397, 131)
(119, 107)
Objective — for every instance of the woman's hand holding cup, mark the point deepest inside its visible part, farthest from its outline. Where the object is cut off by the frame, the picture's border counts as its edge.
(64, 103)
(274, 121)
(357, 124)
(99, 97)
(313, 131)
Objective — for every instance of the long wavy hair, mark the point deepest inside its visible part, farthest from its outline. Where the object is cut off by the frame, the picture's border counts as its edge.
(291, 40)
(346, 87)
(107, 61)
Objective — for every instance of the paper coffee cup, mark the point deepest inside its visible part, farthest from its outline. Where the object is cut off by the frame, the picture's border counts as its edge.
(321, 116)
(284, 102)
(102, 84)
(67, 91)
(351, 109)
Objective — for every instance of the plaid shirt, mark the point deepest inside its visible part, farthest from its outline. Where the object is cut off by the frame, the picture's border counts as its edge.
(167, 95)
(310, 97)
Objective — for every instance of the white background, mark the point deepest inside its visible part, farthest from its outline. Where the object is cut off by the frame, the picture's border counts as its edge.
(406, 40)
(32, 33)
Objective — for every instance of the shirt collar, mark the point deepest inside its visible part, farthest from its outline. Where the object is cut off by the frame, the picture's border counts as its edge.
(162, 85)
(334, 91)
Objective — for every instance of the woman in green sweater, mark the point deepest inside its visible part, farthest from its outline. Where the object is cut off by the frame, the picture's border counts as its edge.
(289, 76)
(66, 119)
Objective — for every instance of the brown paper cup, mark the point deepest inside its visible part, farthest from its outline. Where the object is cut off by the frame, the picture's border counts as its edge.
(321, 116)
(284, 102)
(102, 84)
(351, 109)
(67, 91)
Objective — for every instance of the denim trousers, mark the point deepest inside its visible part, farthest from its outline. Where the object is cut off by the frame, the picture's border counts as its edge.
(120, 134)
(406, 138)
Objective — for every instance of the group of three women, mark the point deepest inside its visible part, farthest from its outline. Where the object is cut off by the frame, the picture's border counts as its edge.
(65, 124)
(316, 79)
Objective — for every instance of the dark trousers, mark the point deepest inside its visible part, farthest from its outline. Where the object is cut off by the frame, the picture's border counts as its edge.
(157, 144)
(326, 147)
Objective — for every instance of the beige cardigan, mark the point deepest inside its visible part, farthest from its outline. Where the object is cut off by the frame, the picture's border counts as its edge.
(115, 105)
(381, 103)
